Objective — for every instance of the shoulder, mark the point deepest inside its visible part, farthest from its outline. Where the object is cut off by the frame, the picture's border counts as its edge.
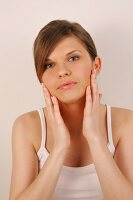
(26, 121)
(123, 125)
(122, 120)
(121, 116)
(24, 157)
(27, 127)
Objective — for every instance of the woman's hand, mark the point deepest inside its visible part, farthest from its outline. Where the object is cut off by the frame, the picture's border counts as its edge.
(59, 130)
(91, 130)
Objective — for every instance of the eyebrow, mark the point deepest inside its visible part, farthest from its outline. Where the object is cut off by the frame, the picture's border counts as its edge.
(47, 59)
(72, 52)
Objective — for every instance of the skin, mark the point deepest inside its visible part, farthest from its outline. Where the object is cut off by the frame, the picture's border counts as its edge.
(80, 109)
(61, 68)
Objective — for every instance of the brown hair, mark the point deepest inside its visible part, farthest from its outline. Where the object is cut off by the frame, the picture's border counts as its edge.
(51, 34)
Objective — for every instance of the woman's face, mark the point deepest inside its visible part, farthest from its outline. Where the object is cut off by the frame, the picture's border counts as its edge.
(69, 61)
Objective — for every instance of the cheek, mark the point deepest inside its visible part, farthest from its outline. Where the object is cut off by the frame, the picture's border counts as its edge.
(46, 78)
(84, 74)
(87, 74)
(48, 81)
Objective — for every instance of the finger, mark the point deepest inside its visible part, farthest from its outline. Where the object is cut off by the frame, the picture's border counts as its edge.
(95, 92)
(94, 84)
(88, 106)
(100, 96)
(48, 101)
(57, 113)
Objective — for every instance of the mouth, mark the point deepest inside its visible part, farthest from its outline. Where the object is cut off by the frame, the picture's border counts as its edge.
(67, 86)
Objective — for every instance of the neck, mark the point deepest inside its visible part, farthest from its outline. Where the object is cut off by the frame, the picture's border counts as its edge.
(72, 115)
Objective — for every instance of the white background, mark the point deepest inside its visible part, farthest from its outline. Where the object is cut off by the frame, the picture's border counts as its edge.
(110, 24)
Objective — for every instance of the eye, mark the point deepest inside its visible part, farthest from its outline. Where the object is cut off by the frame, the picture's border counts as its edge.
(48, 65)
(74, 58)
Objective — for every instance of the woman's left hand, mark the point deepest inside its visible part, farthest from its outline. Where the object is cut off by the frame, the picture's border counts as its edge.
(91, 128)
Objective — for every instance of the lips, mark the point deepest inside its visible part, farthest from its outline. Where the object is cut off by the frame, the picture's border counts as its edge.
(66, 84)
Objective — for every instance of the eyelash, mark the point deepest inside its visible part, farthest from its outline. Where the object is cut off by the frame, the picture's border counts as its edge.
(74, 57)
(47, 65)
(77, 57)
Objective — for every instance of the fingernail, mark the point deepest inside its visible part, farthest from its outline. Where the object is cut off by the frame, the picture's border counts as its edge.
(88, 88)
(95, 71)
(53, 99)
(94, 75)
(43, 87)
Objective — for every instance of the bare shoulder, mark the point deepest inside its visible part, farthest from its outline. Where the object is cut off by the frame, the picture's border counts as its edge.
(121, 116)
(27, 125)
(122, 121)
(24, 157)
(123, 128)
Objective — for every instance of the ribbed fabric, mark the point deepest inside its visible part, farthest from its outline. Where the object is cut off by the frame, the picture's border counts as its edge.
(75, 183)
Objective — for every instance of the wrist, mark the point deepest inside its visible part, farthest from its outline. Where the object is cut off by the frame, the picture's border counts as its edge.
(60, 151)
(95, 140)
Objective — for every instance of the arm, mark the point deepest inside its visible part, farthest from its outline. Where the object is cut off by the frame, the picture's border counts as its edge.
(26, 183)
(116, 178)
(115, 183)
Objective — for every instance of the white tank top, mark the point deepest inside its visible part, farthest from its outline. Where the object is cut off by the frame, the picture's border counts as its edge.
(75, 183)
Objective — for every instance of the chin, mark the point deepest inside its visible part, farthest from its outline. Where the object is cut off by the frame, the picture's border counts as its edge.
(71, 98)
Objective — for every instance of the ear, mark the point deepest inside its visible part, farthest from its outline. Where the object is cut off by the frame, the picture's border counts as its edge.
(97, 65)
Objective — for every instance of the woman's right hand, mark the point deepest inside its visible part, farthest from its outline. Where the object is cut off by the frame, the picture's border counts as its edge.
(59, 130)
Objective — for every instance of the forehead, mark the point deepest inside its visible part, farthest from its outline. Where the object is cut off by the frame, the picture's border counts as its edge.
(67, 45)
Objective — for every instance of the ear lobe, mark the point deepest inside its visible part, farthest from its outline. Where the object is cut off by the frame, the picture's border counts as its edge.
(98, 65)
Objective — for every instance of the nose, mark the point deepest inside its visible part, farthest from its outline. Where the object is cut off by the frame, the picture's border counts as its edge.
(63, 71)
(63, 74)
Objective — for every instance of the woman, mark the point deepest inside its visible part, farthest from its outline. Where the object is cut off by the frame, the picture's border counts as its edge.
(75, 147)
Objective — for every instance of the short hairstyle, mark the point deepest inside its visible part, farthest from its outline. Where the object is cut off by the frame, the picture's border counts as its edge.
(54, 32)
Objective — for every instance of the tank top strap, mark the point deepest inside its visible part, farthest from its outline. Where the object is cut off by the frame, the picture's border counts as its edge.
(42, 118)
(109, 130)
